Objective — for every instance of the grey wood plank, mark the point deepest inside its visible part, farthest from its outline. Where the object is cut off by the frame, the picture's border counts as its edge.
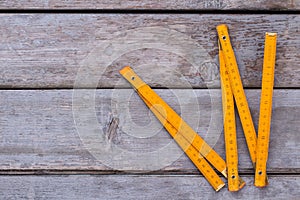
(52, 51)
(140, 187)
(151, 4)
(42, 130)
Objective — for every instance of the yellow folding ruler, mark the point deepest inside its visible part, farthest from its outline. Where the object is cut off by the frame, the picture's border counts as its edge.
(191, 143)
(238, 91)
(235, 183)
(264, 124)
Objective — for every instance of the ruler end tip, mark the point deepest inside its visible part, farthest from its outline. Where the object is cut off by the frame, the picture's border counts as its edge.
(125, 69)
(242, 183)
(271, 34)
(220, 187)
(224, 172)
(221, 26)
(260, 185)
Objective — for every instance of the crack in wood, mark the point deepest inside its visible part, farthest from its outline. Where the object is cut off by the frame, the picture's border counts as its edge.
(111, 130)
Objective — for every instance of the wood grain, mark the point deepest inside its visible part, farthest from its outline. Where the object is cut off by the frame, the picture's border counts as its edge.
(142, 187)
(152, 4)
(50, 50)
(38, 131)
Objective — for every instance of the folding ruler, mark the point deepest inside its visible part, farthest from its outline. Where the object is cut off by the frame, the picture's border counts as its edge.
(193, 145)
(190, 142)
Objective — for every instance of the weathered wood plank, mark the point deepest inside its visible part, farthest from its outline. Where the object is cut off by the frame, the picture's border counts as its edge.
(140, 187)
(38, 131)
(152, 4)
(46, 50)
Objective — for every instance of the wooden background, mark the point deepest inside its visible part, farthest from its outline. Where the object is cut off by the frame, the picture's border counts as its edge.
(46, 44)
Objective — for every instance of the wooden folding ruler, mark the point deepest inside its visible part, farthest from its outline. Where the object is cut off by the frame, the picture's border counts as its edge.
(264, 124)
(190, 142)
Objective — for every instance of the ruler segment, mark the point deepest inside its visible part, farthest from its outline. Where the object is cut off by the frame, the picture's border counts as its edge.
(177, 126)
(235, 183)
(264, 125)
(194, 155)
(238, 91)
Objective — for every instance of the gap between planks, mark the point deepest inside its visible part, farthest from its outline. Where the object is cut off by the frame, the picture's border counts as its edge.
(195, 172)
